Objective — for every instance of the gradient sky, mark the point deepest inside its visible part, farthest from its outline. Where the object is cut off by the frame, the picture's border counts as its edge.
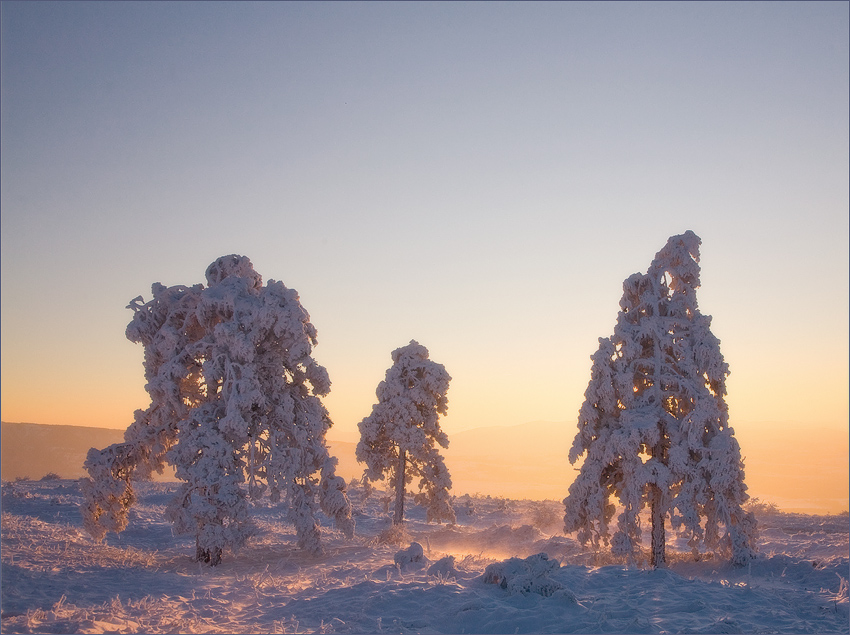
(479, 177)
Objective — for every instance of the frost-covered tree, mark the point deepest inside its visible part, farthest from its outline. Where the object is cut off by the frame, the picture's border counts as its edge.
(235, 407)
(654, 424)
(401, 436)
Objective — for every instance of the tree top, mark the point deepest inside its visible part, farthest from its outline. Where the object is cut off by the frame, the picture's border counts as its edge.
(235, 266)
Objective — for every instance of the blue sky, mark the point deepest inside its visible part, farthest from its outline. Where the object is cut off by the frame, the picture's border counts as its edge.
(480, 177)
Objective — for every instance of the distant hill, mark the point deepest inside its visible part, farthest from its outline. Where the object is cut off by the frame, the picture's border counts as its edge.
(32, 450)
(524, 461)
(800, 468)
(507, 461)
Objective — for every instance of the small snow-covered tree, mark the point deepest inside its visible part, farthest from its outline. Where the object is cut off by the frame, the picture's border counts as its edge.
(235, 408)
(654, 424)
(401, 436)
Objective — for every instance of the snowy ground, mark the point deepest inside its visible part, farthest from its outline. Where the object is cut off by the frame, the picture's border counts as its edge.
(56, 580)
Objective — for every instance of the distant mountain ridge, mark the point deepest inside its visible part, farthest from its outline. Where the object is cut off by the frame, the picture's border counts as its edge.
(523, 461)
(528, 460)
(800, 468)
(500, 461)
(31, 450)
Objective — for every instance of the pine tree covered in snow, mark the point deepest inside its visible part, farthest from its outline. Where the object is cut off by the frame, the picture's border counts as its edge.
(401, 436)
(235, 408)
(654, 423)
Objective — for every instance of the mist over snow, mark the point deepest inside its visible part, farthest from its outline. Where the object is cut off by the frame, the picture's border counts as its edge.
(480, 575)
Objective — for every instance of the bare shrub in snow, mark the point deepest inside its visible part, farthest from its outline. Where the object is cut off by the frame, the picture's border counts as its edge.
(654, 424)
(464, 505)
(545, 517)
(401, 436)
(444, 568)
(761, 508)
(393, 535)
(235, 408)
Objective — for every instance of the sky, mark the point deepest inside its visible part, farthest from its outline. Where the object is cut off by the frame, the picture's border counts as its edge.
(479, 177)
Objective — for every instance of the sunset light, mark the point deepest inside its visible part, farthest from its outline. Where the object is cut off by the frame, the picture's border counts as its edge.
(483, 191)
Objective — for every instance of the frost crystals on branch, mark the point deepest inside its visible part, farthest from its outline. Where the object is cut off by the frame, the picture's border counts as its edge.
(654, 423)
(400, 437)
(235, 408)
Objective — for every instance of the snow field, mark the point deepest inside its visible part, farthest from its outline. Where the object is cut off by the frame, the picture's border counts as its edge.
(55, 579)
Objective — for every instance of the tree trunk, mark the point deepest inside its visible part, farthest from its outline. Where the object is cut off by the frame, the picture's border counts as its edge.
(211, 557)
(657, 556)
(398, 518)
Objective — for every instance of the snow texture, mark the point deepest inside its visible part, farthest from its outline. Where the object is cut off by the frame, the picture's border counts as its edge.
(401, 436)
(235, 408)
(654, 425)
(56, 579)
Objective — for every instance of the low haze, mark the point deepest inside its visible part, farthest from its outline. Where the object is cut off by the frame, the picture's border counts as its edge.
(480, 177)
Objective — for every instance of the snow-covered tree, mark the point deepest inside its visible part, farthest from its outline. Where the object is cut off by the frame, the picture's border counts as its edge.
(654, 424)
(401, 436)
(235, 407)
